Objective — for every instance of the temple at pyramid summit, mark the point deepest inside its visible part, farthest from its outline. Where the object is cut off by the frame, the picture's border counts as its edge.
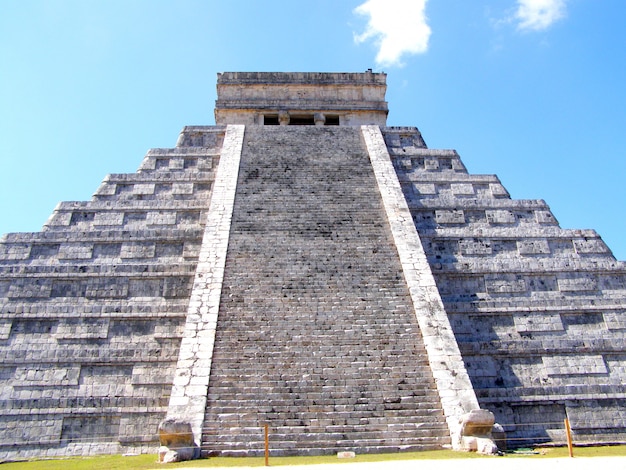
(304, 268)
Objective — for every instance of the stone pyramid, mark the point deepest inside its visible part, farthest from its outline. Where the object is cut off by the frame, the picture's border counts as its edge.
(302, 265)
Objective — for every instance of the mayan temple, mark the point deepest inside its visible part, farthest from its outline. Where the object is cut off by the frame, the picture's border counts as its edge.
(301, 264)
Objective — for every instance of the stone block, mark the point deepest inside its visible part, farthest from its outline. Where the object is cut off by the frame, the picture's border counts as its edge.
(462, 189)
(481, 366)
(475, 246)
(169, 250)
(161, 218)
(14, 251)
(538, 322)
(588, 246)
(584, 283)
(107, 250)
(177, 287)
(182, 188)
(575, 364)
(106, 375)
(108, 218)
(147, 164)
(615, 320)
(107, 288)
(449, 217)
(5, 328)
(69, 288)
(44, 250)
(463, 285)
(177, 163)
(403, 163)
(533, 246)
(138, 250)
(346, 455)
(505, 283)
(169, 329)
(145, 288)
(82, 219)
(93, 429)
(200, 136)
(604, 414)
(542, 283)
(32, 430)
(106, 189)
(498, 191)
(59, 219)
(425, 188)
(30, 288)
(500, 217)
(75, 251)
(612, 281)
(135, 220)
(46, 376)
(545, 218)
(143, 189)
(207, 163)
(431, 163)
(152, 374)
(584, 323)
(82, 328)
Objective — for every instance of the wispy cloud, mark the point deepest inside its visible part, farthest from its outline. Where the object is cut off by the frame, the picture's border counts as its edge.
(397, 27)
(536, 15)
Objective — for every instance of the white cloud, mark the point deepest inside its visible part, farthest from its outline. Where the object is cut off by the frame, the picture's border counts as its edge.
(397, 27)
(535, 15)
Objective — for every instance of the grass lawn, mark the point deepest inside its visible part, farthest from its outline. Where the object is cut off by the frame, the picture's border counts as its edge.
(148, 461)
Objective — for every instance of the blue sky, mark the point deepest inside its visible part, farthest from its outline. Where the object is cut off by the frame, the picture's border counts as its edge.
(531, 90)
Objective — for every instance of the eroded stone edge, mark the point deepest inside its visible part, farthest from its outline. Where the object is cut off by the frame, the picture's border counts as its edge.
(453, 383)
(191, 379)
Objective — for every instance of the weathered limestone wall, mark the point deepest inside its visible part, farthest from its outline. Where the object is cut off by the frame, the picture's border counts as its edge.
(357, 98)
(539, 312)
(93, 307)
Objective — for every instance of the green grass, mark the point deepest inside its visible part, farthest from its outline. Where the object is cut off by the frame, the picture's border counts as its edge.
(321, 459)
(590, 451)
(148, 461)
(105, 462)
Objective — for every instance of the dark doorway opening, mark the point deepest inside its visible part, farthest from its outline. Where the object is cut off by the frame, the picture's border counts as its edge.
(332, 120)
(301, 121)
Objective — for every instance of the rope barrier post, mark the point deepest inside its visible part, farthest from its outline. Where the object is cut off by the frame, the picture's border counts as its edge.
(568, 432)
(267, 445)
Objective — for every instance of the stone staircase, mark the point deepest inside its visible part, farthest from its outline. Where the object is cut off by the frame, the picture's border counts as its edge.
(316, 334)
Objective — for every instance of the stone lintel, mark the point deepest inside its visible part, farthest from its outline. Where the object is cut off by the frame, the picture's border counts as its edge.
(301, 78)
